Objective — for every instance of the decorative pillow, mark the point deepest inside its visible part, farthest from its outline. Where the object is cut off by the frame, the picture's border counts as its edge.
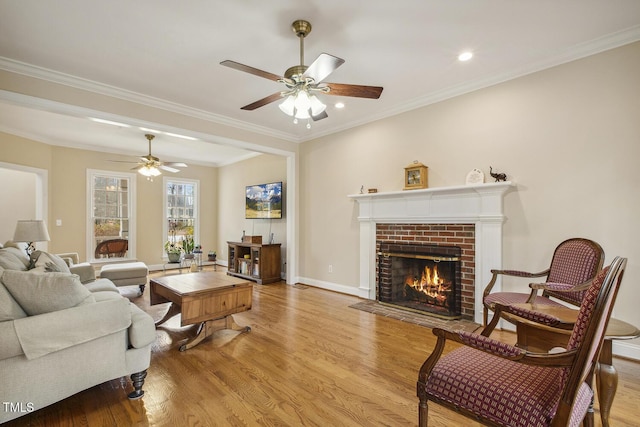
(39, 293)
(12, 258)
(46, 262)
(9, 308)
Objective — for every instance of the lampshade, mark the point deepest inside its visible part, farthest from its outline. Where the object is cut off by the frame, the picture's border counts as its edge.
(31, 231)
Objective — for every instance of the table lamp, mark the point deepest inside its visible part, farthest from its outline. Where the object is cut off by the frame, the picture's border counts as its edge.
(31, 231)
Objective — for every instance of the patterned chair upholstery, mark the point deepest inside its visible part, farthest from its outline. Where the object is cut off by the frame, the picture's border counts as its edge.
(575, 262)
(502, 385)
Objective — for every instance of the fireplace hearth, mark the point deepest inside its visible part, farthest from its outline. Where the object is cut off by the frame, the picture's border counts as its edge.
(423, 278)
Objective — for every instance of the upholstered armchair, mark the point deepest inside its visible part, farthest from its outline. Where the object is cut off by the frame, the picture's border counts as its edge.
(503, 385)
(574, 263)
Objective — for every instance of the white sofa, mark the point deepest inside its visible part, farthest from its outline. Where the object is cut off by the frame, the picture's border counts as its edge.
(60, 336)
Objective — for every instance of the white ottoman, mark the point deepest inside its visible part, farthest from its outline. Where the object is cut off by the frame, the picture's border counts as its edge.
(126, 274)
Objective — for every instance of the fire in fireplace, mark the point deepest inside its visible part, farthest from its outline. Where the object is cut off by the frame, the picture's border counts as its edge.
(420, 277)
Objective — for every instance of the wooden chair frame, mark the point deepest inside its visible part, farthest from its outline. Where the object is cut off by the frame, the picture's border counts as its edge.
(581, 361)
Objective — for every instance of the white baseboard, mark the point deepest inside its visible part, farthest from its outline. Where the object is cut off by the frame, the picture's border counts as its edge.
(626, 349)
(330, 286)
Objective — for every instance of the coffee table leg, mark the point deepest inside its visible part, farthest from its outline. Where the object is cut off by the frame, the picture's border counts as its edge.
(206, 329)
(173, 310)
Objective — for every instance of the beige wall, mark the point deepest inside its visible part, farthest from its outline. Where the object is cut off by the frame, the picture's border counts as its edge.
(20, 188)
(67, 195)
(568, 136)
(231, 216)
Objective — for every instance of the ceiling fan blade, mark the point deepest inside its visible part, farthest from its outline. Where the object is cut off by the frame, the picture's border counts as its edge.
(247, 69)
(168, 168)
(324, 65)
(175, 164)
(137, 168)
(262, 102)
(358, 91)
(320, 116)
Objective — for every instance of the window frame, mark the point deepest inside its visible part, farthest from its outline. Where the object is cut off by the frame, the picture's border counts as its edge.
(131, 201)
(196, 208)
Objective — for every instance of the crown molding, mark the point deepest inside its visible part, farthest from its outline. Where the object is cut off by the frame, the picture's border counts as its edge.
(578, 51)
(57, 77)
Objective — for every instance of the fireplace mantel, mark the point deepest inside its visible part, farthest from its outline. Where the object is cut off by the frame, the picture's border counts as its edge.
(480, 204)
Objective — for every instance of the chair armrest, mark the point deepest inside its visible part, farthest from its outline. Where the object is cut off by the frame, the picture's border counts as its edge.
(513, 273)
(517, 273)
(561, 287)
(85, 271)
(497, 348)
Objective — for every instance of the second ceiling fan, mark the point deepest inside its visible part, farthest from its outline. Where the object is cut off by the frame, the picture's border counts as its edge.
(303, 82)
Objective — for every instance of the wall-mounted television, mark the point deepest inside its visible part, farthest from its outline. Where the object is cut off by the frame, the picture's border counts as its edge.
(264, 201)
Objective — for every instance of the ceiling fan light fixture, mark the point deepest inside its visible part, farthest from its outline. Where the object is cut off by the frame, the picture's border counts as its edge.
(287, 105)
(149, 171)
(302, 105)
(317, 106)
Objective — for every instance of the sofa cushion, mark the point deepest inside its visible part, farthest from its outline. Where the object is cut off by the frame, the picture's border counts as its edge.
(46, 262)
(12, 258)
(9, 308)
(101, 285)
(39, 293)
(51, 332)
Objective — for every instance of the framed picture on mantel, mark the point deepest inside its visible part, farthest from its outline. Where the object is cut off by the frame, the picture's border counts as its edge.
(415, 176)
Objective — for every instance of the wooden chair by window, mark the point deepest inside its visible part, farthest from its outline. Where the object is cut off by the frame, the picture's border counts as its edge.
(115, 248)
(575, 262)
(504, 385)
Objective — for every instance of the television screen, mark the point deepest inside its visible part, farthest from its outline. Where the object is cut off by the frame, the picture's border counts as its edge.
(264, 201)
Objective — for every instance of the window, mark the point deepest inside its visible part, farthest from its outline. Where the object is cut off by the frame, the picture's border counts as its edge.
(110, 228)
(181, 214)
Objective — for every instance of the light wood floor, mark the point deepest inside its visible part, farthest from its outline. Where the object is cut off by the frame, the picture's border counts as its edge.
(309, 360)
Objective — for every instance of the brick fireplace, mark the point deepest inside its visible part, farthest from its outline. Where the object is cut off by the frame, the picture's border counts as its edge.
(431, 246)
(469, 217)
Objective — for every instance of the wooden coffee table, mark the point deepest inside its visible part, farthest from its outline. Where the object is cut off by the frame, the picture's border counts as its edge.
(207, 298)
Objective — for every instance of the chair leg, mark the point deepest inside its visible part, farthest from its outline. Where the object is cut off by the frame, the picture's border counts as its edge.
(423, 413)
(138, 381)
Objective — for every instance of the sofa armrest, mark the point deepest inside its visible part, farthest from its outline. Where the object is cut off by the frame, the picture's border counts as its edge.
(85, 271)
(142, 331)
(45, 333)
(71, 258)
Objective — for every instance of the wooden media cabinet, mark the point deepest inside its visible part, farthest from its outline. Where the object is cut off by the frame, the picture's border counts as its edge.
(254, 261)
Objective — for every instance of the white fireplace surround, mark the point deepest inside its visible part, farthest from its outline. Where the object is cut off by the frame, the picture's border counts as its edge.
(480, 204)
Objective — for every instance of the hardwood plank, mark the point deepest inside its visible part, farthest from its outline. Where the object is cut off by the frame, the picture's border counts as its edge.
(308, 360)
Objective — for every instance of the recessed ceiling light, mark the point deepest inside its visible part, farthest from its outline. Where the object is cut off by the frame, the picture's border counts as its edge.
(465, 56)
(339, 105)
(109, 122)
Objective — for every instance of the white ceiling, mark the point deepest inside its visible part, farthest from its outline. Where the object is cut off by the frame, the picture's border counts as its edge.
(166, 53)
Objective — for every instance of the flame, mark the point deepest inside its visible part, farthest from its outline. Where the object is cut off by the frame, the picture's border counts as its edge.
(431, 284)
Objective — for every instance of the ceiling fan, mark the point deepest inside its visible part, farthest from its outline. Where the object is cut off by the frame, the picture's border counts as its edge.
(303, 82)
(150, 165)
